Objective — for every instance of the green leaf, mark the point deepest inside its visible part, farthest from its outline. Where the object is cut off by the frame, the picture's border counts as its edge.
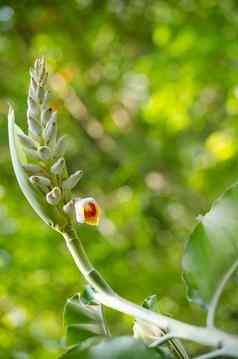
(116, 348)
(83, 319)
(212, 248)
(36, 199)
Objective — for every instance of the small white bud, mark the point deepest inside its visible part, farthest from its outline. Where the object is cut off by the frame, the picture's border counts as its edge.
(58, 167)
(43, 79)
(86, 210)
(32, 107)
(41, 182)
(40, 94)
(44, 153)
(69, 207)
(71, 182)
(26, 141)
(45, 116)
(60, 146)
(34, 127)
(33, 89)
(32, 169)
(34, 76)
(40, 72)
(32, 154)
(50, 131)
(45, 99)
(53, 197)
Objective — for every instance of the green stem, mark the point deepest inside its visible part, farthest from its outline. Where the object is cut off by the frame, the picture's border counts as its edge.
(83, 263)
(106, 296)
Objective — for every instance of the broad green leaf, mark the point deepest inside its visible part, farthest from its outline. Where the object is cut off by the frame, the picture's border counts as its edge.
(83, 320)
(37, 200)
(212, 248)
(116, 348)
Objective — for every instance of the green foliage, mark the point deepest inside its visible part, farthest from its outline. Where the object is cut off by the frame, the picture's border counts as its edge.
(148, 96)
(212, 248)
(116, 348)
(83, 319)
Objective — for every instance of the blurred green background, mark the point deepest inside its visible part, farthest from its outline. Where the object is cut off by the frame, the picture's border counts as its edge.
(148, 93)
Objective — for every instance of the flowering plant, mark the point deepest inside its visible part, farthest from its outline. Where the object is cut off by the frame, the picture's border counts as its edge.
(210, 256)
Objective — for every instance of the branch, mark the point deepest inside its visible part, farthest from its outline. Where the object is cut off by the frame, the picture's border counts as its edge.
(214, 302)
(162, 340)
(106, 296)
(214, 354)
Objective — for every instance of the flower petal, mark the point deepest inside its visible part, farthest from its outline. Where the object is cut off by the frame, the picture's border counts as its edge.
(87, 210)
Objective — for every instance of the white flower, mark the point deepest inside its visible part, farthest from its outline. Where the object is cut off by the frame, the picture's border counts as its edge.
(87, 210)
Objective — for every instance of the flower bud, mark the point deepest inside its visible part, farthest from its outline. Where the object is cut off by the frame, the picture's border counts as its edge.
(32, 154)
(33, 75)
(146, 332)
(39, 71)
(53, 197)
(69, 207)
(43, 79)
(86, 210)
(44, 153)
(45, 99)
(50, 131)
(32, 169)
(58, 167)
(59, 148)
(41, 94)
(34, 127)
(71, 182)
(32, 107)
(41, 182)
(33, 88)
(26, 141)
(45, 116)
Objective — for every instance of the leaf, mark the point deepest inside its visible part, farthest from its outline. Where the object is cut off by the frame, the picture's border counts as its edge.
(48, 213)
(212, 248)
(116, 348)
(83, 319)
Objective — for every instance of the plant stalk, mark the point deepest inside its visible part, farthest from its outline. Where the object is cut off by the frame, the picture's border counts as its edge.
(106, 296)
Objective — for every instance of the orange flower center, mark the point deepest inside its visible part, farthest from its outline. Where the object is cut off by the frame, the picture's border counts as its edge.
(90, 210)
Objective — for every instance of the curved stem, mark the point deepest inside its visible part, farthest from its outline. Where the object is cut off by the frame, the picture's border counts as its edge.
(83, 263)
(161, 340)
(106, 296)
(214, 302)
(215, 354)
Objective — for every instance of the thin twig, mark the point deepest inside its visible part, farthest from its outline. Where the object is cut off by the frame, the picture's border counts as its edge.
(214, 354)
(106, 296)
(162, 340)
